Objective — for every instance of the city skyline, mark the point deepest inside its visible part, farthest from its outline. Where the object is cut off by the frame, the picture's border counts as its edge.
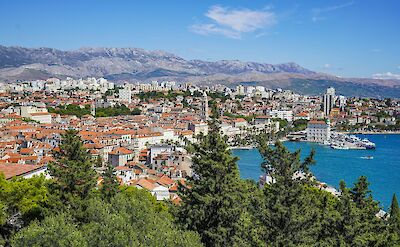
(344, 38)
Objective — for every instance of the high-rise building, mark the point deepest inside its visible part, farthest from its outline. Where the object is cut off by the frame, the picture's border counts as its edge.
(329, 101)
(125, 95)
(240, 90)
(342, 102)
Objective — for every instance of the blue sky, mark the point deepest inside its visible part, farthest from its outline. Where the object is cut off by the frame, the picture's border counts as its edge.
(359, 38)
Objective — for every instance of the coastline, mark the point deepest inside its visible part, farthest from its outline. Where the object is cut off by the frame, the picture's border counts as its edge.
(370, 132)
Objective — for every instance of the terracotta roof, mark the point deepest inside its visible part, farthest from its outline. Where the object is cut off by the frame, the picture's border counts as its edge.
(146, 184)
(123, 168)
(13, 170)
(121, 150)
(165, 180)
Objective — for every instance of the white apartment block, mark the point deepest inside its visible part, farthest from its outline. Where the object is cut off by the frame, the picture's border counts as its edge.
(282, 114)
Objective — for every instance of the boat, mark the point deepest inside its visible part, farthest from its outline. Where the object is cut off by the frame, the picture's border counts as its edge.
(367, 144)
(339, 146)
(367, 157)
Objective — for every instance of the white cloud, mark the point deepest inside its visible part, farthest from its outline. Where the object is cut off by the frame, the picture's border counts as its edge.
(207, 29)
(317, 13)
(376, 50)
(327, 66)
(233, 23)
(387, 75)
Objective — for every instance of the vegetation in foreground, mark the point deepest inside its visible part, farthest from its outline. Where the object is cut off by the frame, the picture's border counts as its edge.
(217, 209)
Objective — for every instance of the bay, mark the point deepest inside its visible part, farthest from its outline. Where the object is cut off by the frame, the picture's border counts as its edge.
(383, 171)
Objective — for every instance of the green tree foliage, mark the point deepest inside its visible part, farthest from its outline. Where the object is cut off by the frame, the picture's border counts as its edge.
(394, 219)
(131, 218)
(21, 200)
(300, 124)
(71, 109)
(109, 187)
(288, 199)
(116, 111)
(217, 204)
(56, 230)
(359, 225)
(72, 172)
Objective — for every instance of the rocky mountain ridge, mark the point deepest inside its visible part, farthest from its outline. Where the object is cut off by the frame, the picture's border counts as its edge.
(135, 64)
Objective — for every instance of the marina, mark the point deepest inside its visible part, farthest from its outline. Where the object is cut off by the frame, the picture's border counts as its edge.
(345, 142)
(380, 165)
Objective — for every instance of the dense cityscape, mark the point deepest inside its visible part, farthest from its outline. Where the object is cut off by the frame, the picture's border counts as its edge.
(199, 123)
(148, 124)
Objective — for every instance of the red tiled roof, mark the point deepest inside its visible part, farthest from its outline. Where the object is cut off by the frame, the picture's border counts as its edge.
(13, 170)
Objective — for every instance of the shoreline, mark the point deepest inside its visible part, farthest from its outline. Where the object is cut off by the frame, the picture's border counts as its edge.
(370, 133)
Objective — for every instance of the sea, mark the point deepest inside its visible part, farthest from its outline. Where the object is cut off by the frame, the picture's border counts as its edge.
(382, 170)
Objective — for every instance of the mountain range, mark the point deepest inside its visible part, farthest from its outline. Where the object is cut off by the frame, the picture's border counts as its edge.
(133, 64)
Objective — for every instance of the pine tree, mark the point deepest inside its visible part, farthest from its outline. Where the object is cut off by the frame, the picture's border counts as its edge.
(72, 171)
(394, 219)
(289, 203)
(215, 204)
(110, 183)
(360, 192)
(359, 225)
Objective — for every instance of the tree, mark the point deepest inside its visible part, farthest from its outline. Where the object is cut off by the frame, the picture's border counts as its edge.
(109, 187)
(215, 204)
(21, 201)
(289, 201)
(72, 171)
(131, 218)
(56, 230)
(359, 224)
(394, 219)
(360, 191)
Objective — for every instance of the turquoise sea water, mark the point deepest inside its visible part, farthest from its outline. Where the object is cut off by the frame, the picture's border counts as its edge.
(383, 171)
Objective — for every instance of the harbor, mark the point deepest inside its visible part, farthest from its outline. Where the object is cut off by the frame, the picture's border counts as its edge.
(380, 165)
(319, 131)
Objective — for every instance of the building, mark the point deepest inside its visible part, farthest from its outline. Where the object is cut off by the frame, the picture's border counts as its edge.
(39, 114)
(22, 170)
(125, 95)
(240, 90)
(120, 156)
(288, 115)
(204, 107)
(329, 101)
(318, 131)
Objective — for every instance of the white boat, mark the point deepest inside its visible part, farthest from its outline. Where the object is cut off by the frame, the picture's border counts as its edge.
(367, 157)
(339, 146)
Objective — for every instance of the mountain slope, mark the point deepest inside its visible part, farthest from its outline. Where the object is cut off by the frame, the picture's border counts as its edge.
(133, 64)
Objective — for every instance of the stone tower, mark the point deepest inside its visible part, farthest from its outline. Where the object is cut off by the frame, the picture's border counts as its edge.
(204, 107)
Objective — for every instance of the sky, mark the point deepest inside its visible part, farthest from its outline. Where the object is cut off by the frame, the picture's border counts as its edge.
(350, 38)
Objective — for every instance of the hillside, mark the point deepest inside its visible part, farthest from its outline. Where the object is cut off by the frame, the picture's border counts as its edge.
(133, 64)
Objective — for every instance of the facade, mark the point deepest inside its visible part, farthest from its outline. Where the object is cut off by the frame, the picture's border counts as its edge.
(288, 115)
(318, 131)
(125, 95)
(120, 156)
(39, 114)
(204, 107)
(329, 101)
